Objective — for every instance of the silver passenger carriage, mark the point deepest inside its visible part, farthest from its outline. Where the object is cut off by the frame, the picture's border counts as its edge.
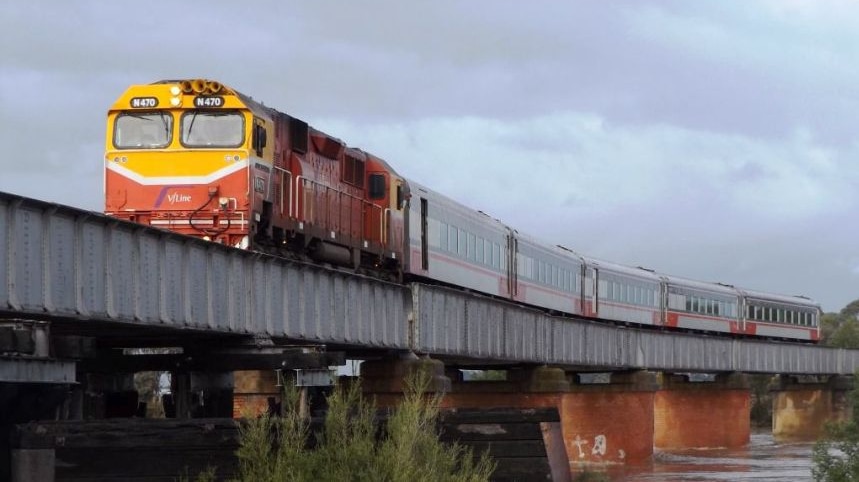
(622, 293)
(454, 244)
(780, 316)
(698, 305)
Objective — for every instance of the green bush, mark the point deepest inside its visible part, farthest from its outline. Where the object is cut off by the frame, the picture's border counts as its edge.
(836, 455)
(351, 446)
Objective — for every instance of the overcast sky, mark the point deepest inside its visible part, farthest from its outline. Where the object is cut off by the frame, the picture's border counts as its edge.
(711, 140)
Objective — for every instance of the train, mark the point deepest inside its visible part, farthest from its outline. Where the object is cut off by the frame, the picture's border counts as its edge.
(197, 157)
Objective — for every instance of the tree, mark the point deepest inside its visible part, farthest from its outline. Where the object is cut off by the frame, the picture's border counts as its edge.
(847, 335)
(351, 447)
(851, 310)
(842, 329)
(836, 455)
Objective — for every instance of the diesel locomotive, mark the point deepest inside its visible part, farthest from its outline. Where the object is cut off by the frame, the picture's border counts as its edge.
(200, 158)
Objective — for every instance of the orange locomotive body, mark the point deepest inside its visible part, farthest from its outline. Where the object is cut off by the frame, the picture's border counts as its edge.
(199, 158)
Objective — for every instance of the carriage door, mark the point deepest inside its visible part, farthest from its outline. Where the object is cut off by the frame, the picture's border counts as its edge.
(591, 298)
(512, 265)
(424, 240)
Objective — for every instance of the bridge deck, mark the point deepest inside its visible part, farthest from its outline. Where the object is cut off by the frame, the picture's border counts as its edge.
(88, 272)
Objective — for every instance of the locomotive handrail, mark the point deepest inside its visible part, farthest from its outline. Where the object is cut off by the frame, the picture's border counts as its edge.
(297, 180)
(282, 184)
(384, 225)
(304, 181)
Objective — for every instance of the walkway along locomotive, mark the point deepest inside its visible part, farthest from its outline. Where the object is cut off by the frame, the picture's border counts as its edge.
(199, 158)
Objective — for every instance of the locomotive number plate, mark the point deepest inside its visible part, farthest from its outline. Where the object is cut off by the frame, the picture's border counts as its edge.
(143, 102)
(208, 101)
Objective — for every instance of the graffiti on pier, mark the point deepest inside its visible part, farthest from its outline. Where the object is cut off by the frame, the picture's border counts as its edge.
(578, 442)
(599, 445)
(598, 449)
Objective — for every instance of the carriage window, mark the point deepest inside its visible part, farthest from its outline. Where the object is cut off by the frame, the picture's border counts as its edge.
(212, 129)
(470, 248)
(151, 130)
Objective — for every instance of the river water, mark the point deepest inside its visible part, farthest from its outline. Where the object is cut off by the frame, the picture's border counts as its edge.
(762, 460)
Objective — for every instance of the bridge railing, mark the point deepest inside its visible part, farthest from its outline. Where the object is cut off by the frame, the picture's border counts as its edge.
(74, 266)
(455, 323)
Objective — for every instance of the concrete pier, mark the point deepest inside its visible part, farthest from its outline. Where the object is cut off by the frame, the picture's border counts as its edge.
(709, 414)
(605, 423)
(802, 406)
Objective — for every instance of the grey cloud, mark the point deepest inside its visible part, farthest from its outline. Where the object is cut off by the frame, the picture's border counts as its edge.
(711, 140)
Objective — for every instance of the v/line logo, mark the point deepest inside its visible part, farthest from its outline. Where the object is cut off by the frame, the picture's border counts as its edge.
(178, 198)
(173, 198)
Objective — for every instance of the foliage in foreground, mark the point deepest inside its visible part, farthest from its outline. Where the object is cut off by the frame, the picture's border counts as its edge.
(836, 456)
(761, 413)
(588, 476)
(348, 448)
(842, 329)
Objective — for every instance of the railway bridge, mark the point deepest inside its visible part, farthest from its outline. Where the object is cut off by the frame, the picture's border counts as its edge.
(81, 294)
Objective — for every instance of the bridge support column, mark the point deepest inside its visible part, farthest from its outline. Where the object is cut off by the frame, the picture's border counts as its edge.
(801, 407)
(601, 423)
(30, 465)
(702, 414)
(198, 394)
(256, 392)
(386, 378)
(109, 395)
(21, 403)
(610, 423)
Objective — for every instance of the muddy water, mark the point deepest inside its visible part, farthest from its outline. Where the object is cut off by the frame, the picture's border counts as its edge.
(762, 461)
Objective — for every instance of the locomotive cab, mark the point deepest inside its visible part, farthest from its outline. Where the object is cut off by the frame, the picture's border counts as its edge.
(177, 157)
